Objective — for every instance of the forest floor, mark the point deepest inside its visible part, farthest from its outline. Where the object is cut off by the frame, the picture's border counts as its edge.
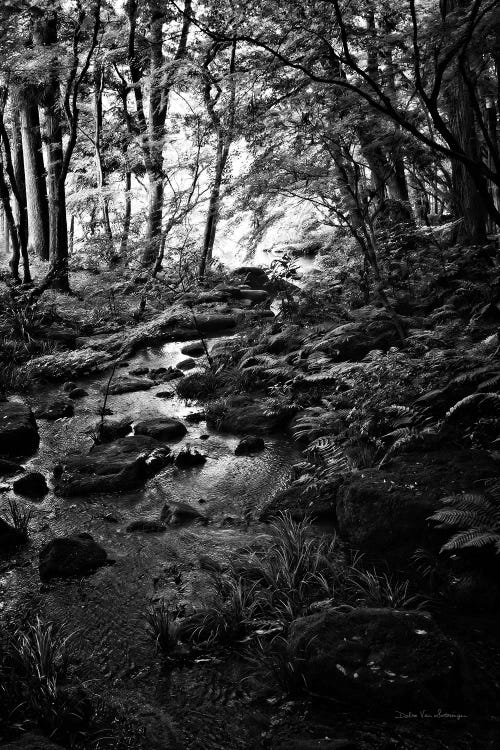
(273, 561)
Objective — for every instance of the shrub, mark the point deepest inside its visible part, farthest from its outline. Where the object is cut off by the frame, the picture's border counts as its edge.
(198, 385)
(162, 625)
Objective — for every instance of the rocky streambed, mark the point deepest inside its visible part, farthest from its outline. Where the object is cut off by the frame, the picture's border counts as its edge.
(156, 536)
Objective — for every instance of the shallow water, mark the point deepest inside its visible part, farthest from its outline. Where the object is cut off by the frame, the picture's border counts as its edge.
(106, 609)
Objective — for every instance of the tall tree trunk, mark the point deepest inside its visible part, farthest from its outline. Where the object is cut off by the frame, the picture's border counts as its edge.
(213, 210)
(20, 212)
(45, 33)
(467, 203)
(100, 172)
(10, 225)
(152, 129)
(34, 172)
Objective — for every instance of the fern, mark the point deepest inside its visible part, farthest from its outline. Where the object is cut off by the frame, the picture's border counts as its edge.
(476, 517)
(476, 402)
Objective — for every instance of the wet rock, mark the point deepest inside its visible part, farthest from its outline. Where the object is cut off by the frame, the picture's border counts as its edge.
(242, 416)
(385, 512)
(31, 742)
(193, 349)
(69, 386)
(146, 525)
(55, 409)
(161, 428)
(171, 374)
(352, 341)
(299, 503)
(31, 484)
(139, 371)
(175, 513)
(381, 659)
(8, 468)
(213, 322)
(187, 459)
(165, 394)
(186, 364)
(68, 556)
(128, 384)
(119, 466)
(249, 444)
(112, 429)
(18, 429)
(10, 537)
(77, 393)
(196, 417)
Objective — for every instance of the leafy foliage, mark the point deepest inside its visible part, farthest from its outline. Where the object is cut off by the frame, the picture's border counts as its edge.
(476, 516)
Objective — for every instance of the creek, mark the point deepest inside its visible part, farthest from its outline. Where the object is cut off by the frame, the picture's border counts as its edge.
(185, 707)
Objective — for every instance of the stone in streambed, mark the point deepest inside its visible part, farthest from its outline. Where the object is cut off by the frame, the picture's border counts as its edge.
(139, 371)
(380, 659)
(129, 384)
(165, 394)
(186, 364)
(161, 428)
(249, 444)
(193, 349)
(18, 429)
(175, 513)
(115, 467)
(68, 556)
(31, 484)
(55, 409)
(187, 459)
(112, 429)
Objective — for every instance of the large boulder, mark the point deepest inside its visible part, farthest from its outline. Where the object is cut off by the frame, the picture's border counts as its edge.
(161, 428)
(352, 341)
(249, 444)
(69, 556)
(119, 466)
(299, 501)
(385, 512)
(241, 416)
(18, 429)
(31, 484)
(383, 660)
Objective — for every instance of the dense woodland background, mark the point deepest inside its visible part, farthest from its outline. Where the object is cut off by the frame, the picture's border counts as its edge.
(130, 129)
(250, 360)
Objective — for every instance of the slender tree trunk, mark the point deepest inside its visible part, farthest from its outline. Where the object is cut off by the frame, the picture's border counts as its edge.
(5, 233)
(34, 171)
(45, 33)
(10, 225)
(20, 212)
(127, 214)
(213, 210)
(100, 172)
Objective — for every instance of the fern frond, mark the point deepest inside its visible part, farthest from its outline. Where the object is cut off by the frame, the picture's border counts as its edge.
(455, 517)
(473, 538)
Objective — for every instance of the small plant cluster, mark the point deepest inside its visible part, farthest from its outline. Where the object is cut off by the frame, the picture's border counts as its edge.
(35, 691)
(262, 591)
